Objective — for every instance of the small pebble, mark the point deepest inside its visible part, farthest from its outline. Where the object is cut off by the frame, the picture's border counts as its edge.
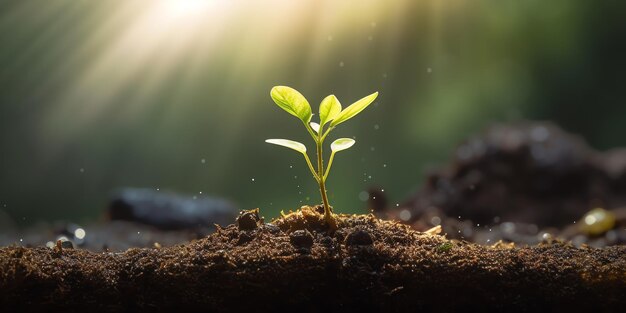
(248, 220)
(301, 239)
(359, 237)
(273, 229)
(63, 244)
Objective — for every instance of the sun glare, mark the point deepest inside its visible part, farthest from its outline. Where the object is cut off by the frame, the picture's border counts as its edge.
(183, 8)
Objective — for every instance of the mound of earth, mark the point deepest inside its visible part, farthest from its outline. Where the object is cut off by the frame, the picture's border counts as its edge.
(295, 264)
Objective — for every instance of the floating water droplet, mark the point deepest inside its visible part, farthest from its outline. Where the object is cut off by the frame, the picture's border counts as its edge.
(385, 165)
(429, 70)
(82, 170)
(376, 127)
(370, 38)
(364, 195)
(405, 215)
(330, 38)
(373, 24)
(341, 64)
(382, 190)
(435, 220)
(372, 148)
(203, 161)
(253, 179)
(397, 204)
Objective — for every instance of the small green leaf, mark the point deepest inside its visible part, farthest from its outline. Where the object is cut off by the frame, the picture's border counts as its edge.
(292, 101)
(329, 109)
(315, 126)
(353, 109)
(341, 144)
(289, 144)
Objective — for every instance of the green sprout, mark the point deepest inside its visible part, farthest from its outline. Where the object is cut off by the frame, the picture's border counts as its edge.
(331, 115)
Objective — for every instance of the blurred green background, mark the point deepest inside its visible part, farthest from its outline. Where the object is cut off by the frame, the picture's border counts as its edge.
(174, 95)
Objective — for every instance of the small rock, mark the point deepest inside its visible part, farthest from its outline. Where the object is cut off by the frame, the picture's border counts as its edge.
(273, 229)
(359, 237)
(63, 244)
(248, 220)
(67, 244)
(301, 239)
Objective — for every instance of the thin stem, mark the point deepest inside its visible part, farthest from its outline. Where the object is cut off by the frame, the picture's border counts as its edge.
(320, 167)
(328, 217)
(330, 163)
(308, 162)
(326, 133)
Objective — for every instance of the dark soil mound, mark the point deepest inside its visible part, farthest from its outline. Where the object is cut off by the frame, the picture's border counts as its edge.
(294, 264)
(523, 180)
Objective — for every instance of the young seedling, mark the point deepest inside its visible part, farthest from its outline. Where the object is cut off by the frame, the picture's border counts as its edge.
(331, 115)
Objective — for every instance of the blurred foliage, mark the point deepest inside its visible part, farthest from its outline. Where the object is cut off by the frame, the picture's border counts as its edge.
(175, 94)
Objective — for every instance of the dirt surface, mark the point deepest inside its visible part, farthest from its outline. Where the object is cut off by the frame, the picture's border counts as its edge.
(294, 264)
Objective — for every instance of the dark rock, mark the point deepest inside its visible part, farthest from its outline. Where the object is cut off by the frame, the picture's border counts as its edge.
(359, 237)
(301, 239)
(169, 211)
(273, 229)
(248, 220)
(67, 244)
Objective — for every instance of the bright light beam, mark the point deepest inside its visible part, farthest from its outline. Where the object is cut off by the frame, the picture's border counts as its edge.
(184, 8)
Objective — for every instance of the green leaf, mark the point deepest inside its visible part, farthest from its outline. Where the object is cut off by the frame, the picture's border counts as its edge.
(353, 109)
(315, 126)
(341, 144)
(289, 144)
(292, 101)
(329, 109)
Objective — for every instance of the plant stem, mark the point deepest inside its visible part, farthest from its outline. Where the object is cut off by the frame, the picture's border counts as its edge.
(330, 163)
(308, 162)
(322, 182)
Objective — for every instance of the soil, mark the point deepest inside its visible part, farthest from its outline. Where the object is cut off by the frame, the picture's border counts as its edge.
(295, 264)
(521, 182)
